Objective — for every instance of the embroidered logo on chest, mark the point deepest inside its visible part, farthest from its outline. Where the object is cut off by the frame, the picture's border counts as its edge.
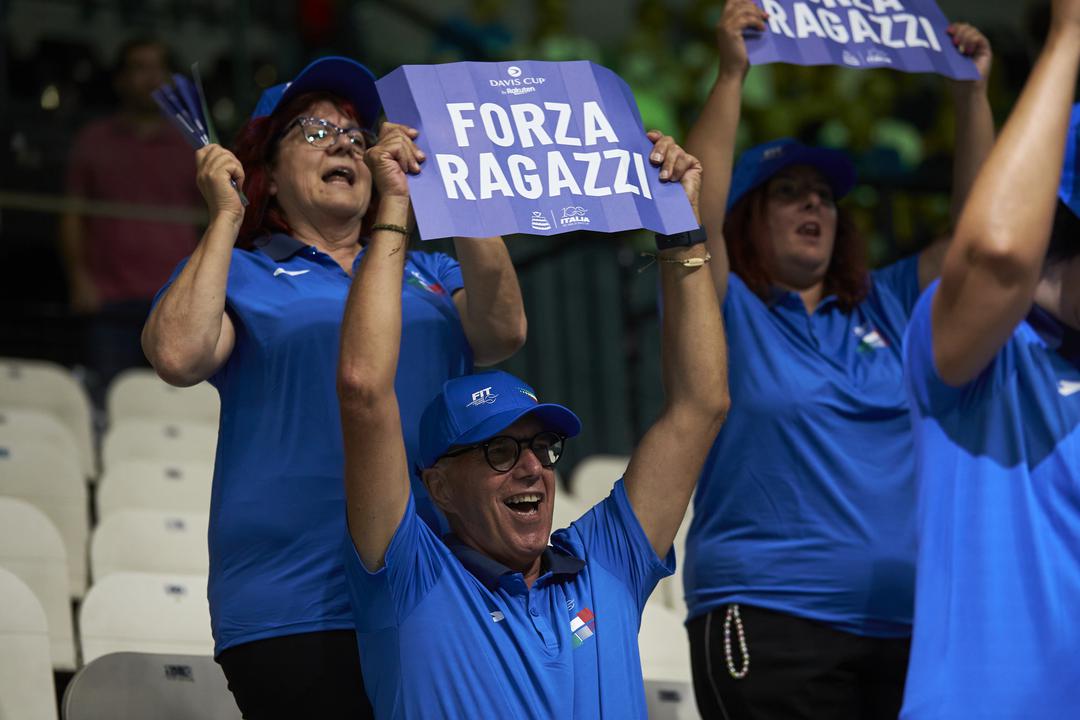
(416, 279)
(1068, 388)
(869, 339)
(583, 626)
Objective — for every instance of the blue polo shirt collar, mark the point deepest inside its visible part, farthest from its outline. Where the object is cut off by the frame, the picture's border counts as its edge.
(279, 246)
(553, 563)
(780, 296)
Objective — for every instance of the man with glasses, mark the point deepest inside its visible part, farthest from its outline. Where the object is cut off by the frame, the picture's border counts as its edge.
(492, 621)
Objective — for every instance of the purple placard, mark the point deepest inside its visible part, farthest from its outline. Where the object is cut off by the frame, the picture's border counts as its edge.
(529, 147)
(906, 35)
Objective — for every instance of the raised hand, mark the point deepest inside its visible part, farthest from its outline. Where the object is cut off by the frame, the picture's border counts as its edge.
(392, 157)
(676, 165)
(970, 41)
(215, 170)
(739, 15)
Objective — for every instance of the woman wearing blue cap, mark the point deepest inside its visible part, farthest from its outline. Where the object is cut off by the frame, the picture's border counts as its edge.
(257, 310)
(799, 569)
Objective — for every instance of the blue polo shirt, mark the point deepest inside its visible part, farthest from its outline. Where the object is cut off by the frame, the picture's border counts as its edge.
(278, 493)
(806, 502)
(446, 632)
(998, 592)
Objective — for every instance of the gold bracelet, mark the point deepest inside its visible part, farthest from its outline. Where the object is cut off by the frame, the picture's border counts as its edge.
(694, 262)
(391, 228)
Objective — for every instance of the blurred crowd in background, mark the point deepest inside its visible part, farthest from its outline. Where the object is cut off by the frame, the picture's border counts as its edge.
(53, 83)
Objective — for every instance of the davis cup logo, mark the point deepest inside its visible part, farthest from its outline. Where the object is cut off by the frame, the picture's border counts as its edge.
(539, 221)
(517, 85)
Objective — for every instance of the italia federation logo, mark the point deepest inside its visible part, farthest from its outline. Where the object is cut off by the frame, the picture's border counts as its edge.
(483, 397)
(583, 626)
(869, 339)
(418, 280)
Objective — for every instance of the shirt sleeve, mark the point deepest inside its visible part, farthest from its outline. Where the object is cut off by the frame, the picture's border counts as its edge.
(414, 562)
(932, 396)
(901, 280)
(610, 535)
(442, 268)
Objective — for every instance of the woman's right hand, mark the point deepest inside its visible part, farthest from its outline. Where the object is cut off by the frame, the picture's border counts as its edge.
(215, 170)
(739, 15)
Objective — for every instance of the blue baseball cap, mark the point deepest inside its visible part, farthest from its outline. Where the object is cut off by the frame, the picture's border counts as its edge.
(758, 164)
(476, 407)
(1069, 190)
(338, 75)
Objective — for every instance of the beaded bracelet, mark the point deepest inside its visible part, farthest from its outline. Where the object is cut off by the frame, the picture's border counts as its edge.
(391, 228)
(694, 262)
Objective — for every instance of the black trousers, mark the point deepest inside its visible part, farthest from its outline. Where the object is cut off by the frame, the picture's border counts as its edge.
(311, 675)
(799, 669)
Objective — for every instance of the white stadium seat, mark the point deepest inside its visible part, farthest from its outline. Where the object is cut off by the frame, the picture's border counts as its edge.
(155, 485)
(150, 541)
(26, 679)
(594, 477)
(50, 388)
(159, 440)
(21, 423)
(149, 685)
(146, 612)
(32, 549)
(140, 393)
(37, 472)
(665, 664)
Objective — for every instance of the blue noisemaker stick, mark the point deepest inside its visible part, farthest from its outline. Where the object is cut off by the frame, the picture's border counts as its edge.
(184, 105)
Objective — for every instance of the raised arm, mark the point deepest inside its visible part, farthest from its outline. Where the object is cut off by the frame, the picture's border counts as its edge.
(188, 336)
(376, 467)
(974, 137)
(490, 304)
(996, 258)
(666, 464)
(712, 138)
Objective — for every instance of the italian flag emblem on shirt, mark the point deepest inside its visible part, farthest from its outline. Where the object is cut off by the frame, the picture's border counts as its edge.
(582, 626)
(432, 287)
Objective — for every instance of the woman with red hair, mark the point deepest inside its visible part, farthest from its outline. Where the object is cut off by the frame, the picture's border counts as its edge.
(800, 557)
(257, 310)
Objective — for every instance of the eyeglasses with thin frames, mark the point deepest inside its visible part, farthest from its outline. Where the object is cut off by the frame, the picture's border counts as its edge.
(324, 134)
(502, 452)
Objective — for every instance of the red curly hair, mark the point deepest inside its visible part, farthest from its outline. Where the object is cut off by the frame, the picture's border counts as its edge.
(256, 148)
(746, 235)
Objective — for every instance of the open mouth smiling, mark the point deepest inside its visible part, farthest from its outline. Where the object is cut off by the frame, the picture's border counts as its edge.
(524, 503)
(340, 174)
(809, 229)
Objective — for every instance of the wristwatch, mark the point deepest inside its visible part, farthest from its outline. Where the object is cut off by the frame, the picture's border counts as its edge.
(683, 239)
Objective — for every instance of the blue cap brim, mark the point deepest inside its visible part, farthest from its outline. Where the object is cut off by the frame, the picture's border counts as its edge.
(341, 76)
(835, 165)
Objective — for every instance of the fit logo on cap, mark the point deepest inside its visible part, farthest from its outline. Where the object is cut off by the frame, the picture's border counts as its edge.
(483, 397)
(772, 153)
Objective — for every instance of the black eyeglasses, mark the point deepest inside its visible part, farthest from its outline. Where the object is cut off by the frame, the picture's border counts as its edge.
(503, 451)
(324, 134)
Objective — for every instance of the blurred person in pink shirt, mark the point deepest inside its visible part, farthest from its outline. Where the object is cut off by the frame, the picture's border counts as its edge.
(115, 263)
